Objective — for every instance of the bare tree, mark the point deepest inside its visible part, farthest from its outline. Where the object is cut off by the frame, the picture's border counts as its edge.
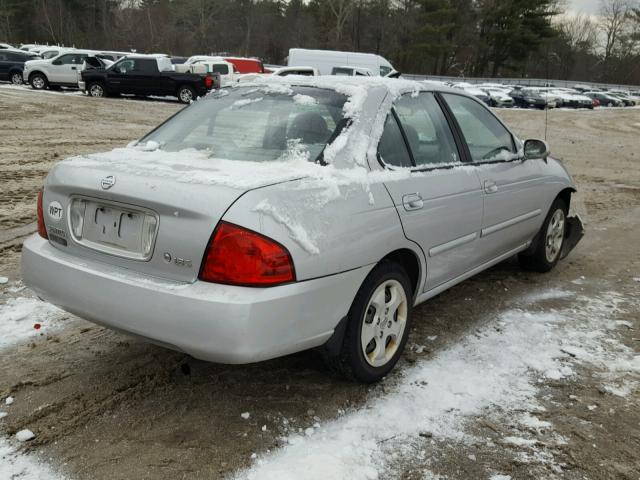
(341, 10)
(614, 15)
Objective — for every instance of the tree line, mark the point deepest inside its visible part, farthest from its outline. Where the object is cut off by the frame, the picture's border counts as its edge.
(520, 38)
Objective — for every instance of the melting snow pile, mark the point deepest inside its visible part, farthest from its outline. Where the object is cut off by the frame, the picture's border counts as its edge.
(494, 370)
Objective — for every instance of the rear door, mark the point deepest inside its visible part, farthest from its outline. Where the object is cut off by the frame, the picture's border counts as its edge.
(511, 186)
(144, 78)
(440, 204)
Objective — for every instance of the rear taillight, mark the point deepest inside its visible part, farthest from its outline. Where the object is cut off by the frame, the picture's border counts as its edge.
(42, 230)
(238, 256)
(208, 82)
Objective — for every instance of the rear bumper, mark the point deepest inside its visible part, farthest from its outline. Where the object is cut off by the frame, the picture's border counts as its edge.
(220, 323)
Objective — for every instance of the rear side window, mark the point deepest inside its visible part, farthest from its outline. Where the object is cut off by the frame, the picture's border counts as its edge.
(16, 57)
(486, 137)
(220, 68)
(392, 149)
(144, 65)
(426, 129)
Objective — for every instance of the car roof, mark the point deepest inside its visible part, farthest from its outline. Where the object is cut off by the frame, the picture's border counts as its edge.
(341, 84)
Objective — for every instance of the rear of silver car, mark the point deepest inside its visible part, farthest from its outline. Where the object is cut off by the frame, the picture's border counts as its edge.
(127, 243)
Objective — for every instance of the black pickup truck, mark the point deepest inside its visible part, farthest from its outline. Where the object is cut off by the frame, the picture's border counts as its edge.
(144, 75)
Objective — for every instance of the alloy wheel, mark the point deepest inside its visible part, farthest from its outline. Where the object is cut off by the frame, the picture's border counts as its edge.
(37, 82)
(185, 95)
(16, 79)
(555, 235)
(96, 90)
(384, 322)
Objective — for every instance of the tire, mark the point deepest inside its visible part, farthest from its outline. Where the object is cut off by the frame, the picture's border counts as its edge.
(38, 81)
(16, 78)
(186, 94)
(96, 90)
(548, 242)
(363, 356)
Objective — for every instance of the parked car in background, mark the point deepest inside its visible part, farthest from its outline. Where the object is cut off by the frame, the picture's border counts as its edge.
(305, 71)
(60, 71)
(475, 91)
(12, 65)
(498, 97)
(625, 97)
(202, 58)
(4, 46)
(246, 65)
(605, 99)
(226, 70)
(347, 71)
(52, 52)
(326, 60)
(178, 60)
(570, 98)
(223, 254)
(531, 98)
(145, 75)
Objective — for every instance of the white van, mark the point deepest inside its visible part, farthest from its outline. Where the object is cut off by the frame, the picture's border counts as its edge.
(326, 60)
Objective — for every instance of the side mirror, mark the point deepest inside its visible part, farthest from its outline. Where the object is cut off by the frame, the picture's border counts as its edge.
(534, 149)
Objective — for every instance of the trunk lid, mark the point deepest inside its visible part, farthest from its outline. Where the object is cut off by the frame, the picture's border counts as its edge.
(152, 212)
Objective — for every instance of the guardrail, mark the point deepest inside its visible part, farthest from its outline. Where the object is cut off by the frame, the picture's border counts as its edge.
(531, 82)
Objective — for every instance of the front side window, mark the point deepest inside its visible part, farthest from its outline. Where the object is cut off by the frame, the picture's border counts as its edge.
(426, 129)
(257, 124)
(124, 66)
(486, 137)
(385, 71)
(392, 149)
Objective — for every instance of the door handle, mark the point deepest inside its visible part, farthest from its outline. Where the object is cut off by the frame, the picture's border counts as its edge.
(73, 68)
(412, 201)
(490, 186)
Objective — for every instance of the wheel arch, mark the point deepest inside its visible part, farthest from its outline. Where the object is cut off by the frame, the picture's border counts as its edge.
(565, 195)
(410, 261)
(31, 74)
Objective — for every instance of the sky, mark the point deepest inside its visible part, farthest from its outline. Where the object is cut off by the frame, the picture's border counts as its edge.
(584, 6)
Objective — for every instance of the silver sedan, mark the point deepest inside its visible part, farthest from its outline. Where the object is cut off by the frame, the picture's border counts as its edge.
(291, 214)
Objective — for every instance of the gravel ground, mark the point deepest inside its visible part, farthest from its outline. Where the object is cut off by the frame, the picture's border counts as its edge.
(106, 406)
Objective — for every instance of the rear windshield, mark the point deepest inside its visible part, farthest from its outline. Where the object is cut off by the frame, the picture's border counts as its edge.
(256, 124)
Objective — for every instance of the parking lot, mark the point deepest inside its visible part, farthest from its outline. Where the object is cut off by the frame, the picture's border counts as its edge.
(106, 406)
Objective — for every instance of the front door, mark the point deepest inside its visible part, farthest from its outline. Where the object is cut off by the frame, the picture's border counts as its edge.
(440, 204)
(64, 69)
(512, 201)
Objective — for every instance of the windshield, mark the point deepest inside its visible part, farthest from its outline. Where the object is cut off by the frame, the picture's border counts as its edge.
(256, 123)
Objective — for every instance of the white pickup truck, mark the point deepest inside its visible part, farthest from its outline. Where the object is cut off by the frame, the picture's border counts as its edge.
(59, 71)
(227, 71)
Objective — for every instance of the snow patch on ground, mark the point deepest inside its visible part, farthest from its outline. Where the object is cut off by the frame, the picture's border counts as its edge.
(494, 370)
(22, 318)
(19, 466)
